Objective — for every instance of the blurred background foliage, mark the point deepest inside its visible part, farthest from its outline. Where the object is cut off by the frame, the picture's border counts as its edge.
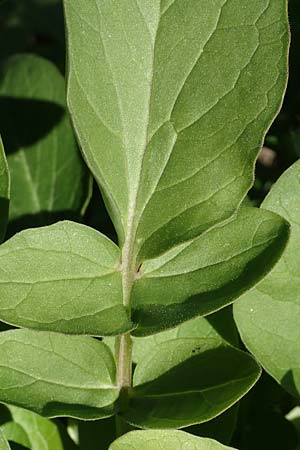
(268, 418)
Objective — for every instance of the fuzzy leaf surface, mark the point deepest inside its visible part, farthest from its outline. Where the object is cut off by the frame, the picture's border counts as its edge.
(268, 316)
(47, 172)
(4, 191)
(63, 277)
(151, 111)
(188, 381)
(166, 440)
(57, 375)
(204, 274)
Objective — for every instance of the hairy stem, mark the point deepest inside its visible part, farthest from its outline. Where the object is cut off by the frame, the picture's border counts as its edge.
(124, 342)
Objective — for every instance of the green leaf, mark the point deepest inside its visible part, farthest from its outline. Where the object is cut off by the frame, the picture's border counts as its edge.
(166, 440)
(217, 326)
(207, 273)
(4, 191)
(187, 381)
(32, 431)
(47, 171)
(64, 278)
(268, 316)
(3, 442)
(57, 375)
(154, 101)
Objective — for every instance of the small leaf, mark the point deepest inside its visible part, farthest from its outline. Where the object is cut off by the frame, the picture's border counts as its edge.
(57, 375)
(166, 440)
(4, 191)
(3, 442)
(32, 431)
(63, 278)
(47, 172)
(188, 381)
(268, 316)
(153, 101)
(207, 273)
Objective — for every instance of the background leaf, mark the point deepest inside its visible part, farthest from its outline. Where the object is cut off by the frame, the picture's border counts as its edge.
(57, 375)
(49, 179)
(268, 316)
(63, 278)
(209, 272)
(4, 191)
(168, 440)
(188, 381)
(31, 430)
(3, 442)
(178, 167)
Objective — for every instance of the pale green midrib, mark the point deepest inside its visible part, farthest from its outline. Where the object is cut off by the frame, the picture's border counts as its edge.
(128, 269)
(128, 260)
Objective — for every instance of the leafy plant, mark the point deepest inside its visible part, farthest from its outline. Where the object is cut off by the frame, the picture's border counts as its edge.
(170, 102)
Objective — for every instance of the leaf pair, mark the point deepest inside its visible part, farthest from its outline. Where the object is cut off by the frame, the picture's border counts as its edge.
(167, 380)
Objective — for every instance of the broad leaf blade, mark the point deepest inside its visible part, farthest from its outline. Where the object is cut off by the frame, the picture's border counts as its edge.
(3, 442)
(188, 381)
(209, 272)
(47, 171)
(63, 278)
(57, 375)
(167, 440)
(268, 316)
(219, 326)
(4, 191)
(157, 102)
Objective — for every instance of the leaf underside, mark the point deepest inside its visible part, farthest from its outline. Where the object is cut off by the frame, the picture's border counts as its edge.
(268, 316)
(186, 381)
(63, 278)
(57, 375)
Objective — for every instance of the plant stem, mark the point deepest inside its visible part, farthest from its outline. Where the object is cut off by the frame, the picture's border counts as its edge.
(124, 355)
(124, 342)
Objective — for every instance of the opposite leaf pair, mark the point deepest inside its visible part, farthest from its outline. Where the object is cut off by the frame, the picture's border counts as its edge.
(152, 121)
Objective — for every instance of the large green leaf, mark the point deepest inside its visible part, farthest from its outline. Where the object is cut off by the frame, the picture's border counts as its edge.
(57, 375)
(206, 273)
(166, 440)
(65, 278)
(218, 326)
(4, 191)
(32, 431)
(3, 442)
(268, 316)
(187, 381)
(152, 87)
(47, 171)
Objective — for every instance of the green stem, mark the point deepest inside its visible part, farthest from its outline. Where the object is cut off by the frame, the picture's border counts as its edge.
(124, 358)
